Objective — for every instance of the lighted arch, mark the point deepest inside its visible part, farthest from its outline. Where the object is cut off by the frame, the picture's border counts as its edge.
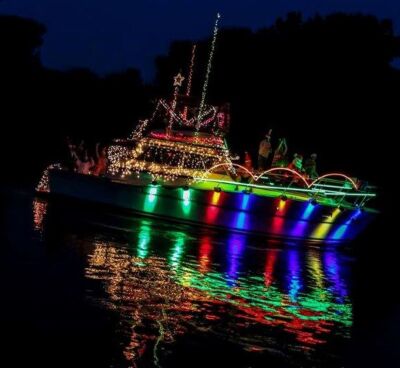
(335, 175)
(294, 172)
(229, 165)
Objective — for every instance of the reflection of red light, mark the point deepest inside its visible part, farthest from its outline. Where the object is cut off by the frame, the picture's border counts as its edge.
(269, 266)
(306, 331)
(212, 210)
(204, 254)
(278, 220)
(211, 214)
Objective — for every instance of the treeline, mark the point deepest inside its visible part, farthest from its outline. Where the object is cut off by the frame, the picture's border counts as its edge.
(327, 84)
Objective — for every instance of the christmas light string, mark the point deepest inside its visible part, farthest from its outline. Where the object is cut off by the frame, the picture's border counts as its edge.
(205, 86)
(43, 185)
(178, 80)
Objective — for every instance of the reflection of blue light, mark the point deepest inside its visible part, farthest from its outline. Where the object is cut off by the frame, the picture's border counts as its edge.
(355, 215)
(339, 233)
(241, 220)
(342, 229)
(294, 277)
(245, 200)
(235, 249)
(300, 228)
(333, 274)
(308, 211)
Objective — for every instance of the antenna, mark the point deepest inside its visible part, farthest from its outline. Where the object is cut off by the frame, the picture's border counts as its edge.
(205, 86)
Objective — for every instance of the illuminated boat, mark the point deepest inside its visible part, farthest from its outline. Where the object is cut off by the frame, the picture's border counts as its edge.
(188, 175)
(181, 169)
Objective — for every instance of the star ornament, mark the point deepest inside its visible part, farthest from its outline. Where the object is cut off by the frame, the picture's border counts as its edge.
(178, 80)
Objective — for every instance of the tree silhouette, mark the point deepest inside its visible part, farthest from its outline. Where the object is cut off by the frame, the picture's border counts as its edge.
(326, 84)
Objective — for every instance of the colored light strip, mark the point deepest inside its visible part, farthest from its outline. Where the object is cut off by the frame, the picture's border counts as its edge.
(332, 186)
(293, 172)
(240, 220)
(150, 200)
(342, 229)
(284, 189)
(335, 175)
(322, 229)
(245, 200)
(308, 211)
(186, 204)
(301, 226)
(215, 198)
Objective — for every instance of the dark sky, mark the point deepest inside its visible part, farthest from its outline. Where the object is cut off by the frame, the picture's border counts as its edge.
(110, 35)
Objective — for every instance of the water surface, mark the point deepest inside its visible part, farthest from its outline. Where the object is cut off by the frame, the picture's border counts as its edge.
(98, 289)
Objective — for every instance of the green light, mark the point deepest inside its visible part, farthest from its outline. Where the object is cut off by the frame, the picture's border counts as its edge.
(186, 204)
(151, 199)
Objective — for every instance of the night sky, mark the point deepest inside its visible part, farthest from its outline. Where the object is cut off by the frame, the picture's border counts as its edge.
(111, 35)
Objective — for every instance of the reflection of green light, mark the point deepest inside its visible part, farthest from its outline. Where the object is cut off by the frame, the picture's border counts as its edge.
(144, 240)
(177, 251)
(186, 204)
(151, 199)
(320, 303)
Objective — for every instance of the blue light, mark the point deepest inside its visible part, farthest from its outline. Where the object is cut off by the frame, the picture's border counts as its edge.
(342, 229)
(308, 211)
(245, 201)
(241, 220)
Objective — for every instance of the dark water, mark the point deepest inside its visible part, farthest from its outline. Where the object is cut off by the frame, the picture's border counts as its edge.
(84, 287)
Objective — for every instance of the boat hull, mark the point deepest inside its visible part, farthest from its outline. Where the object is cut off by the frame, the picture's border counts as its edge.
(289, 219)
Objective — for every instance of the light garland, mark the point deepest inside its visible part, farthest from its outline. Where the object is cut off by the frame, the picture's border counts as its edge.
(43, 185)
(190, 77)
(168, 158)
(209, 141)
(139, 130)
(137, 133)
(178, 80)
(39, 214)
(205, 86)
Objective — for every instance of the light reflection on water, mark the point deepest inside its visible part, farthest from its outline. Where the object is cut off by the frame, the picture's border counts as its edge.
(169, 282)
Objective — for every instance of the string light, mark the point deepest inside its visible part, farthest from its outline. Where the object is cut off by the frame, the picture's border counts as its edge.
(168, 157)
(139, 130)
(205, 86)
(43, 185)
(178, 80)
